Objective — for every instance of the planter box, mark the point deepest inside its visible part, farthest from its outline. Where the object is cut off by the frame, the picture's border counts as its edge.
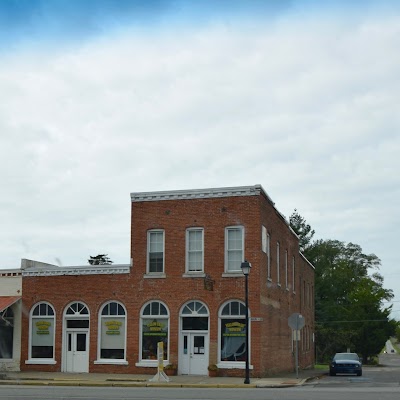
(170, 372)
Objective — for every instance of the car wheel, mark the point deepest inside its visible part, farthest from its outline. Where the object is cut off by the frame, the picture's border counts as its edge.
(359, 373)
(331, 373)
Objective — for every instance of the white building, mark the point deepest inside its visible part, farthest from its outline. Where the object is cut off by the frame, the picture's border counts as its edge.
(10, 319)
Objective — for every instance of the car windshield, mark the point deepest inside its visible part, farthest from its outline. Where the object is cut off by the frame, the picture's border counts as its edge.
(346, 356)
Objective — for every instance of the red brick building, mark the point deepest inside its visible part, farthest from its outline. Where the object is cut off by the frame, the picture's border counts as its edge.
(185, 287)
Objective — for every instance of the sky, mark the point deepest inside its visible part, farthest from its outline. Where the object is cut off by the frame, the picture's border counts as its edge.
(101, 98)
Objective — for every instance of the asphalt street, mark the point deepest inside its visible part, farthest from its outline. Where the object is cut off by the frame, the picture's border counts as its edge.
(378, 382)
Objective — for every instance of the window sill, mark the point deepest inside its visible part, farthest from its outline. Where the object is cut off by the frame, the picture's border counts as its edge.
(154, 276)
(194, 275)
(233, 365)
(238, 274)
(111, 361)
(41, 361)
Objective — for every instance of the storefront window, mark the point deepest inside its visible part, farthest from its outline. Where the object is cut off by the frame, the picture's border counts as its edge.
(154, 328)
(112, 331)
(42, 331)
(6, 333)
(232, 320)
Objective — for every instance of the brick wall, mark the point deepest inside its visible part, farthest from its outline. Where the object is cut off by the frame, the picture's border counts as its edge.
(271, 342)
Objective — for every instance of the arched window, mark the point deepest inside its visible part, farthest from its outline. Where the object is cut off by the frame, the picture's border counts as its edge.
(194, 317)
(76, 316)
(232, 330)
(42, 321)
(112, 330)
(77, 309)
(154, 326)
(6, 333)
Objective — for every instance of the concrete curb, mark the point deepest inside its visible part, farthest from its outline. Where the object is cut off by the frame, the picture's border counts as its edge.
(140, 381)
(149, 384)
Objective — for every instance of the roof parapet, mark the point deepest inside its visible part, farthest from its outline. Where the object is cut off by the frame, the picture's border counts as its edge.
(198, 193)
(37, 268)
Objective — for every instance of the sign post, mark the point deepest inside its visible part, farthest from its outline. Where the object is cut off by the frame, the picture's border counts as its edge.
(296, 321)
(160, 375)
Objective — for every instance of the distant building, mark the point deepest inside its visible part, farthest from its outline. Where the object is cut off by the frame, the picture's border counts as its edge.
(10, 319)
(185, 288)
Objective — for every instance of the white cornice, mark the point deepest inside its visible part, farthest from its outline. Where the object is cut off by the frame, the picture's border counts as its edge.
(10, 272)
(77, 270)
(198, 193)
(305, 259)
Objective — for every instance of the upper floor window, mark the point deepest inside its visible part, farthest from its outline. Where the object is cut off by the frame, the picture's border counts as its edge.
(269, 257)
(266, 248)
(278, 264)
(195, 250)
(155, 251)
(286, 270)
(234, 248)
(294, 274)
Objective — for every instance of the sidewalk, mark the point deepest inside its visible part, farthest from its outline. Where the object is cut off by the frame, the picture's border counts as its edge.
(130, 380)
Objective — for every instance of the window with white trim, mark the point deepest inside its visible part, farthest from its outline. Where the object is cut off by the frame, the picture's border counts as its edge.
(112, 323)
(77, 309)
(286, 270)
(294, 274)
(42, 328)
(278, 264)
(234, 248)
(154, 328)
(232, 332)
(269, 257)
(194, 316)
(264, 239)
(155, 251)
(194, 250)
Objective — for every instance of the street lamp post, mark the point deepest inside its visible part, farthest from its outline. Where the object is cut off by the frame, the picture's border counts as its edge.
(246, 270)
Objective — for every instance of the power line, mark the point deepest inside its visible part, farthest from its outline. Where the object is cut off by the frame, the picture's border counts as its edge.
(360, 320)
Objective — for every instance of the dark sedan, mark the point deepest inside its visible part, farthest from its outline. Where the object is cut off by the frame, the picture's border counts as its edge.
(345, 363)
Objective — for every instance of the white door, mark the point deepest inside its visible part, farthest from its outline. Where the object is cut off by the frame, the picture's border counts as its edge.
(77, 353)
(194, 354)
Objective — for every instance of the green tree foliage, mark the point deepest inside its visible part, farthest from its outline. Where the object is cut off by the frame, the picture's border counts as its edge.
(101, 259)
(397, 333)
(302, 229)
(349, 296)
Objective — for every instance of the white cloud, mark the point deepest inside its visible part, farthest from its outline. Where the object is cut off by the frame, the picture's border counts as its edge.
(307, 110)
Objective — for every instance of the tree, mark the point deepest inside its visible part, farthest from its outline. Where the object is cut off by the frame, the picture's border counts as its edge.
(101, 259)
(397, 331)
(349, 295)
(349, 300)
(302, 229)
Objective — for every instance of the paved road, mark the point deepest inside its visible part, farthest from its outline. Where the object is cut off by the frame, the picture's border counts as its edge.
(381, 383)
(389, 347)
(387, 374)
(295, 393)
